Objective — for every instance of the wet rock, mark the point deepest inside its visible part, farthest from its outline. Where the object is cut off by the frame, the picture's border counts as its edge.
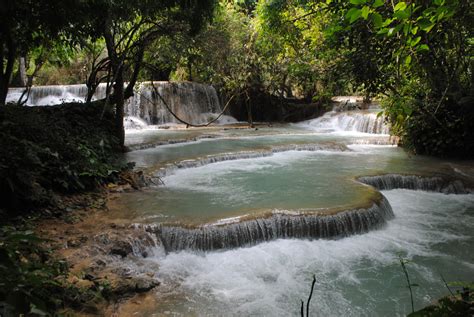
(122, 248)
(120, 287)
(145, 284)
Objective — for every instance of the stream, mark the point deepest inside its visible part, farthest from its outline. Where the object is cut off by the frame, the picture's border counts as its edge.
(246, 217)
(236, 211)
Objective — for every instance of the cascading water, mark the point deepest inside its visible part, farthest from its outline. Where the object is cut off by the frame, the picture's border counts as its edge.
(354, 121)
(415, 182)
(246, 217)
(54, 94)
(283, 203)
(278, 225)
(192, 102)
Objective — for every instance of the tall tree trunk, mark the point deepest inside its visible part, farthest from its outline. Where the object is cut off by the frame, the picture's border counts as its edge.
(6, 70)
(117, 75)
(22, 72)
(248, 105)
(190, 71)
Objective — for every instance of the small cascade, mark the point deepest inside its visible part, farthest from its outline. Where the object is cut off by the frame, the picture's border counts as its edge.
(356, 121)
(134, 123)
(54, 94)
(193, 102)
(414, 182)
(277, 225)
(249, 155)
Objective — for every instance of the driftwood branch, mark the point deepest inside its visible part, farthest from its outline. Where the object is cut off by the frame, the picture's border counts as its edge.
(310, 295)
(309, 299)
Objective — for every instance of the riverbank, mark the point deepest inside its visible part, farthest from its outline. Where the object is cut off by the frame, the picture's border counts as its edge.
(54, 161)
(101, 254)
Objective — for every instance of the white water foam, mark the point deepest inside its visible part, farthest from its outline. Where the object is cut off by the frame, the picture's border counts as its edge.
(356, 276)
(348, 123)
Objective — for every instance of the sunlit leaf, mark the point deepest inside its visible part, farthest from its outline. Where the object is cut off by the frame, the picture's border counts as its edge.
(408, 60)
(400, 6)
(415, 41)
(365, 12)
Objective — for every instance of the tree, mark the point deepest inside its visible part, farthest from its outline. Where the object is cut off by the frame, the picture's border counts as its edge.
(26, 24)
(421, 56)
(128, 29)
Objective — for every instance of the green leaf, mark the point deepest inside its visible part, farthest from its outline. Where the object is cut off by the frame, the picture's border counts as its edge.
(353, 14)
(400, 6)
(378, 3)
(415, 41)
(376, 19)
(425, 25)
(408, 60)
(387, 22)
(358, 1)
(423, 48)
(406, 28)
(402, 15)
(365, 12)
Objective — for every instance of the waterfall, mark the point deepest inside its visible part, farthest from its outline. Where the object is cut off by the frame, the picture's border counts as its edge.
(54, 94)
(193, 102)
(415, 182)
(356, 121)
(276, 225)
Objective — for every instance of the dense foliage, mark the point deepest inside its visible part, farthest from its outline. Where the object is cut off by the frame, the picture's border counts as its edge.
(420, 55)
(48, 150)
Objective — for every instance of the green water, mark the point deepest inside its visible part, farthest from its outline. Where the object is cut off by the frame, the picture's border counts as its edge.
(356, 276)
(295, 181)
